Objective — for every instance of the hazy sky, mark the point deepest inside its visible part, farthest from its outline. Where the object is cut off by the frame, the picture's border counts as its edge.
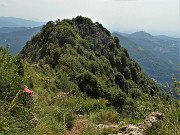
(154, 16)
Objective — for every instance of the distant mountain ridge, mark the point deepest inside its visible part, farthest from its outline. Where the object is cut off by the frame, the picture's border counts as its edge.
(18, 22)
(167, 37)
(17, 38)
(157, 55)
(143, 34)
(15, 32)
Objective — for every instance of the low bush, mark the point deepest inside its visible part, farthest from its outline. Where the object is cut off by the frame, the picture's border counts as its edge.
(105, 116)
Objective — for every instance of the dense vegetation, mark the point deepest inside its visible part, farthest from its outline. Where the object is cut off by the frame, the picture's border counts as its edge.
(13, 115)
(80, 75)
(93, 60)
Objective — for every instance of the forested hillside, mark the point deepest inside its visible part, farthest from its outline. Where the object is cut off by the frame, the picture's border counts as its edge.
(91, 58)
(81, 79)
(158, 56)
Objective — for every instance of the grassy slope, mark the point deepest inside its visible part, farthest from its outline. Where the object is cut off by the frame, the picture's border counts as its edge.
(56, 110)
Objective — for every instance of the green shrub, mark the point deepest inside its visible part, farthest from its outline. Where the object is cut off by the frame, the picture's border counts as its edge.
(14, 117)
(63, 82)
(86, 106)
(90, 129)
(105, 116)
(10, 80)
(89, 84)
(135, 93)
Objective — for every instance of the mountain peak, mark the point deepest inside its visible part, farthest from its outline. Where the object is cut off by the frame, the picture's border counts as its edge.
(142, 34)
(89, 55)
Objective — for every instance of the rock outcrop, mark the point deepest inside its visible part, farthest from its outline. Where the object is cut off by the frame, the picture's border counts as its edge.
(138, 129)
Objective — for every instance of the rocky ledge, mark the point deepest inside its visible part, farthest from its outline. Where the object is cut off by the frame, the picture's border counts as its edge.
(138, 129)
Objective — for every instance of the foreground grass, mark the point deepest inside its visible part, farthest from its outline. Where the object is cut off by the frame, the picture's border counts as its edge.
(58, 110)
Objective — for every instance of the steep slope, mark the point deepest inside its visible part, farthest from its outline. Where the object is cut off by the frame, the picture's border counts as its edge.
(158, 56)
(17, 39)
(93, 60)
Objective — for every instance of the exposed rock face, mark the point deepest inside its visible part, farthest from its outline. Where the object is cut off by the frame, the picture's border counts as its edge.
(139, 128)
(131, 130)
(153, 118)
